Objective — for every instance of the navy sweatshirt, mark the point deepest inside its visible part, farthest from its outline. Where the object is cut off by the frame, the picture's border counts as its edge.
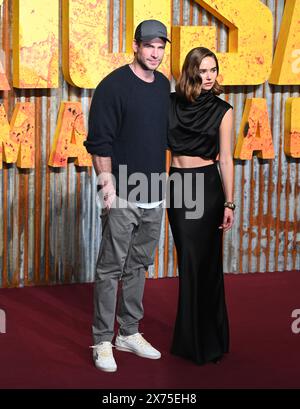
(128, 121)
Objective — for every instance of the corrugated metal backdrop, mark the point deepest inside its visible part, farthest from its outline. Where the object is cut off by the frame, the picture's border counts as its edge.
(49, 219)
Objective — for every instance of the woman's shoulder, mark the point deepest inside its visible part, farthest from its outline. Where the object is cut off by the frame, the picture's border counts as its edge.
(223, 104)
(173, 99)
(176, 98)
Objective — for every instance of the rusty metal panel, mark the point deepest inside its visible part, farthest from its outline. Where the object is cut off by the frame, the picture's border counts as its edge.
(49, 217)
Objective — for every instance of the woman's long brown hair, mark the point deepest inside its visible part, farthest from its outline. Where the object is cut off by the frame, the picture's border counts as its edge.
(189, 83)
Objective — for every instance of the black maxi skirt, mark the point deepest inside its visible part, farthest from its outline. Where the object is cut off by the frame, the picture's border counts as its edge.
(201, 330)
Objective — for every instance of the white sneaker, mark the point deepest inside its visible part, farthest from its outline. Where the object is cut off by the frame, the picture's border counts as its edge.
(103, 357)
(138, 345)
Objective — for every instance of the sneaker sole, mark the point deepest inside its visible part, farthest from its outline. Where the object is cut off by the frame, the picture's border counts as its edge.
(105, 369)
(136, 353)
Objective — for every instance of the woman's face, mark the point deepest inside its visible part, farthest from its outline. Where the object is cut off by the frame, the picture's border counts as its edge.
(208, 72)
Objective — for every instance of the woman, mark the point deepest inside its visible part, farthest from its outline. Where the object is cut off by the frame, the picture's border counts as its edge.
(200, 131)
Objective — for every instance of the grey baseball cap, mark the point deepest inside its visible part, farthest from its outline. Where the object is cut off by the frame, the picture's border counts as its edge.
(149, 29)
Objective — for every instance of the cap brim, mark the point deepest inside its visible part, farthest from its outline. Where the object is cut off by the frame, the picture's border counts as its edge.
(149, 38)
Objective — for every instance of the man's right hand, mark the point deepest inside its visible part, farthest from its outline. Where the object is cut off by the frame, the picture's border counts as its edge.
(105, 180)
(108, 192)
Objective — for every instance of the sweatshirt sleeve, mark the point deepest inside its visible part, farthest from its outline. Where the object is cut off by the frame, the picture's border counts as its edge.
(104, 119)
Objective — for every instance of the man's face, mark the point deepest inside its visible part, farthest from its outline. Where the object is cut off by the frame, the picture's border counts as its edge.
(149, 54)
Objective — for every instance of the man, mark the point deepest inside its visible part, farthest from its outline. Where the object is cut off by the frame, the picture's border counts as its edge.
(128, 127)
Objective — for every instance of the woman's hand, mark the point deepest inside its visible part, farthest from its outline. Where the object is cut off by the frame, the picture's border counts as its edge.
(228, 219)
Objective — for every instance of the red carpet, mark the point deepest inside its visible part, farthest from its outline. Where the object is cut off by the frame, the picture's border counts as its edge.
(48, 334)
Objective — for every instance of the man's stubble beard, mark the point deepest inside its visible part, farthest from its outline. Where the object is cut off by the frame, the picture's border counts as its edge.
(143, 65)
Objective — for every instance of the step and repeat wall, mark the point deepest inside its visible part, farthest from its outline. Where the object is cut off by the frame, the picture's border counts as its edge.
(53, 54)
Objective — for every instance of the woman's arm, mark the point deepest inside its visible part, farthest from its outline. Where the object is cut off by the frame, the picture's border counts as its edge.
(226, 166)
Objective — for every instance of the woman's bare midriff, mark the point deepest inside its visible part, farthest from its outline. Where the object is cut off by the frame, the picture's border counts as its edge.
(181, 161)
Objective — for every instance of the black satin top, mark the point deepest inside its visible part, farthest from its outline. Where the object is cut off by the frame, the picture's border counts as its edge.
(194, 127)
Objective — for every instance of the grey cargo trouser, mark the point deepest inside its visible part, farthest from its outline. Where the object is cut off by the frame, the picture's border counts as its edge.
(129, 239)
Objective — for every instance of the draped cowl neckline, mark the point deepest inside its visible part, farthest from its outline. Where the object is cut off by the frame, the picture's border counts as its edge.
(193, 116)
(194, 126)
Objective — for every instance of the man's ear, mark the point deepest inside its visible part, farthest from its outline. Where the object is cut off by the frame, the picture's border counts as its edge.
(134, 46)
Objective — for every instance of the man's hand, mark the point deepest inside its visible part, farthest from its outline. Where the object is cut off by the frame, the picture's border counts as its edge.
(108, 192)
